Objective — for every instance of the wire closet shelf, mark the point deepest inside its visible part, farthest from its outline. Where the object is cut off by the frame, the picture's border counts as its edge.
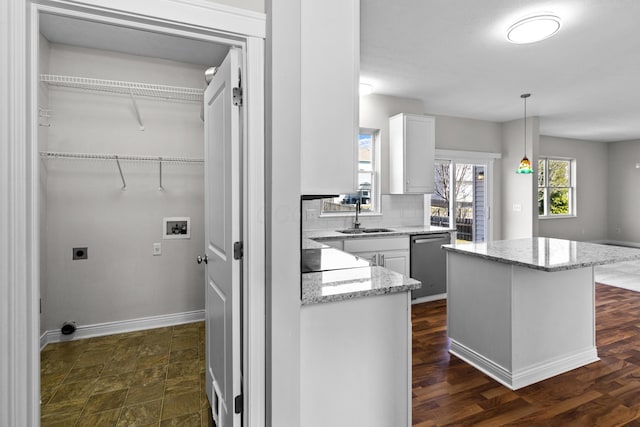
(59, 155)
(117, 158)
(127, 88)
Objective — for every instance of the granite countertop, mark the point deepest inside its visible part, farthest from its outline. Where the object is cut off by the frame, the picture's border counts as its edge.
(547, 254)
(348, 283)
(344, 279)
(320, 235)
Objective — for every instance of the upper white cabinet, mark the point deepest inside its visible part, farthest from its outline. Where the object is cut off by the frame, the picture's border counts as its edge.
(411, 153)
(330, 67)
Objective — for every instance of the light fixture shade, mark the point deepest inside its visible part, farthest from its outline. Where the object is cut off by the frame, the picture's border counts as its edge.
(525, 166)
(534, 29)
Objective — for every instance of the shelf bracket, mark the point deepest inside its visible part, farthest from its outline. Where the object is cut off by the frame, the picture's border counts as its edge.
(124, 183)
(160, 188)
(137, 110)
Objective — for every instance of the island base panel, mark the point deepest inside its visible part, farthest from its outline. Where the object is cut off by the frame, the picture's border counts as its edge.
(520, 325)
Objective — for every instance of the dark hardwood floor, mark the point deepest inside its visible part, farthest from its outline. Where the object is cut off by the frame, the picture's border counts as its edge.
(447, 391)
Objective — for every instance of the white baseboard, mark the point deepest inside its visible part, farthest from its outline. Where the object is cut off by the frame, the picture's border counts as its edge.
(429, 298)
(528, 376)
(122, 326)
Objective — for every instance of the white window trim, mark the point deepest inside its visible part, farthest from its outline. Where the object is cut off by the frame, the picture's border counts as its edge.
(376, 191)
(474, 157)
(573, 204)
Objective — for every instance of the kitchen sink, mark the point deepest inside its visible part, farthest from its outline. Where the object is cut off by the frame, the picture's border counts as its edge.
(365, 230)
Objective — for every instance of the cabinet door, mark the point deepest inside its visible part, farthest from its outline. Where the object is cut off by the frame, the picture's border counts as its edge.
(397, 261)
(330, 68)
(411, 154)
(419, 153)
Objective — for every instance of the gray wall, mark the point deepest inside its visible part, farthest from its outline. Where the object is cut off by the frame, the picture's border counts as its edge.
(86, 206)
(518, 190)
(452, 133)
(591, 186)
(622, 184)
(375, 111)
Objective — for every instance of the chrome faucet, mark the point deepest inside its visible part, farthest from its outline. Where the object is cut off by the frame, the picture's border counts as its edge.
(356, 223)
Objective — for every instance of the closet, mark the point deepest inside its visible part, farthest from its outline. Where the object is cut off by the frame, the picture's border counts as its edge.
(121, 176)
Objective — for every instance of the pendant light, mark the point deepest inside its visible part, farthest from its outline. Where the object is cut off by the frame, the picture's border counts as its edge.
(525, 164)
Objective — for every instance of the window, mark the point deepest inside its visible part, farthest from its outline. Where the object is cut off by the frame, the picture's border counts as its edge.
(556, 187)
(367, 170)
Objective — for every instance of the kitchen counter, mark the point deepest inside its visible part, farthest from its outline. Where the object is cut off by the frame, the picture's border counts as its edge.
(344, 284)
(346, 276)
(321, 235)
(547, 254)
(523, 310)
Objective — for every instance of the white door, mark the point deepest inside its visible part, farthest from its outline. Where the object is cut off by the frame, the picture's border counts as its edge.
(223, 219)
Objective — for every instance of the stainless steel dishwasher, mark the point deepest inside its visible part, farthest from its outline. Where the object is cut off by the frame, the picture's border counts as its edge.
(429, 263)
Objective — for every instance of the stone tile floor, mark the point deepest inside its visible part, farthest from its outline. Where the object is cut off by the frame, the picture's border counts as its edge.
(622, 275)
(146, 378)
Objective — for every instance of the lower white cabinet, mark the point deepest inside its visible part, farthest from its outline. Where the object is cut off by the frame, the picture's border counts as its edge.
(355, 362)
(389, 252)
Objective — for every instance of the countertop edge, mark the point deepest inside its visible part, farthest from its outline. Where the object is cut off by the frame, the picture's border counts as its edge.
(320, 235)
(550, 269)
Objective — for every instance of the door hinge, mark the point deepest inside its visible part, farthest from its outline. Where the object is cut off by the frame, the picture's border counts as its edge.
(237, 96)
(238, 250)
(237, 404)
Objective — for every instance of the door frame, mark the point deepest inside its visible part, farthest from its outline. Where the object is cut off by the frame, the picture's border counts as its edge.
(19, 182)
(486, 159)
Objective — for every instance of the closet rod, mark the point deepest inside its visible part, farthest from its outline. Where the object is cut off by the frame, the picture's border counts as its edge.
(53, 154)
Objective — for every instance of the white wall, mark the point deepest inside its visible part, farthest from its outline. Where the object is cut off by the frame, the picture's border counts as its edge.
(43, 145)
(622, 189)
(518, 215)
(254, 5)
(591, 189)
(87, 207)
(282, 215)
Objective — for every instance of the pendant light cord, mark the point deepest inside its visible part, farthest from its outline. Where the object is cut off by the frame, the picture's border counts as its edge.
(525, 96)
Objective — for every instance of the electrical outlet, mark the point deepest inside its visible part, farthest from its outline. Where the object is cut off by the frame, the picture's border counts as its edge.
(157, 249)
(618, 230)
(312, 214)
(517, 207)
(80, 253)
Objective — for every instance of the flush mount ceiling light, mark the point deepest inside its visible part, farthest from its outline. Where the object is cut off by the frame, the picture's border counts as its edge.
(525, 164)
(533, 29)
(365, 89)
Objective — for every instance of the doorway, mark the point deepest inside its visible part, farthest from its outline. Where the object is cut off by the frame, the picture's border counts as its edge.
(252, 47)
(462, 196)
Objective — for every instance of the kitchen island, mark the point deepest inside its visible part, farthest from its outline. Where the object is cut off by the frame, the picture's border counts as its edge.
(523, 310)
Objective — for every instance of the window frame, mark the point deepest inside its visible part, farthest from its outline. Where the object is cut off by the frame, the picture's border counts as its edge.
(572, 188)
(376, 208)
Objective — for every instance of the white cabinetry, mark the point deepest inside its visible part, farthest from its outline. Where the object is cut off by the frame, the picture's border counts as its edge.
(355, 362)
(389, 252)
(330, 66)
(411, 153)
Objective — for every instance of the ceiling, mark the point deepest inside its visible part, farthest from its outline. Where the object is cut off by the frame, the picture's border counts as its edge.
(78, 32)
(453, 56)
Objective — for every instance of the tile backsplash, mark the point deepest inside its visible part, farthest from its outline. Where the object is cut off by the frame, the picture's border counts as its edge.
(397, 210)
